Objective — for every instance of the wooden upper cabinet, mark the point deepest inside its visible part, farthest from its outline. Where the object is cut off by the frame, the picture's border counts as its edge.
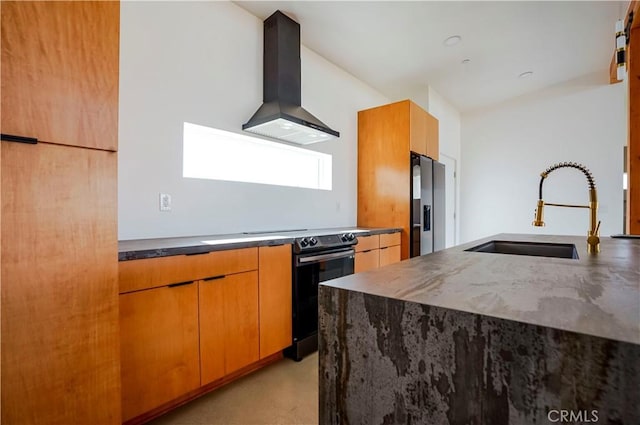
(274, 293)
(423, 131)
(59, 69)
(418, 129)
(433, 134)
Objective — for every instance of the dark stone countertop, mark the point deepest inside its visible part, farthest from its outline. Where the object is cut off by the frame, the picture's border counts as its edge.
(161, 247)
(596, 295)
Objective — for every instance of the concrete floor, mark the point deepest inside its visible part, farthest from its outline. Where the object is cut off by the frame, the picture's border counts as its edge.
(283, 393)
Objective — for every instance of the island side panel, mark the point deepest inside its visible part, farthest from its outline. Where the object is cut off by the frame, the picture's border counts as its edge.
(385, 361)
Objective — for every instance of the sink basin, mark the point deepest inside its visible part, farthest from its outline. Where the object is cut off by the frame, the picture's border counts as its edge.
(536, 249)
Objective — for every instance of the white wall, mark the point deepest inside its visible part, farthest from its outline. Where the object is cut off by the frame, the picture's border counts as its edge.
(449, 143)
(201, 62)
(450, 153)
(506, 148)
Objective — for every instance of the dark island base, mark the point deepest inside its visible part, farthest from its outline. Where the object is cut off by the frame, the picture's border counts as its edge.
(385, 361)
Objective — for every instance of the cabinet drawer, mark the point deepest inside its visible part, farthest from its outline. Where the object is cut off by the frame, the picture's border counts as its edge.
(152, 272)
(389, 239)
(366, 243)
(389, 255)
(366, 261)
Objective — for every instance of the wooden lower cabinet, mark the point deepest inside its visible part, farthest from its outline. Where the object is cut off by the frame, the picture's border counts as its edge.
(389, 255)
(376, 251)
(229, 330)
(366, 260)
(274, 299)
(159, 346)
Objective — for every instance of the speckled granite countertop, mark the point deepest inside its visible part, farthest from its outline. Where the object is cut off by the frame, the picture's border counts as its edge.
(596, 295)
(162, 247)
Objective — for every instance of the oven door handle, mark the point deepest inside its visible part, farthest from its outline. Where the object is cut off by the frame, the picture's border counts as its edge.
(322, 257)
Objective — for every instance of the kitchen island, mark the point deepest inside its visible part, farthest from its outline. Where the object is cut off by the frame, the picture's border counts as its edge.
(460, 337)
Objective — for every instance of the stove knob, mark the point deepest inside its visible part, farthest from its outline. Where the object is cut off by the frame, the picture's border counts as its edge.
(351, 236)
(344, 238)
(304, 242)
(313, 241)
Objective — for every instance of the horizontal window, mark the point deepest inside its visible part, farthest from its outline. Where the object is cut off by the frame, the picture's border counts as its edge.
(209, 153)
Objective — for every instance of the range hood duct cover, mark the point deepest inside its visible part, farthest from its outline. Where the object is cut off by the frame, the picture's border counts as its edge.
(281, 116)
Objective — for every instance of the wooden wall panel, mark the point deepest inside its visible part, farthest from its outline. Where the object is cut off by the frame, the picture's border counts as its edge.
(633, 146)
(60, 337)
(59, 69)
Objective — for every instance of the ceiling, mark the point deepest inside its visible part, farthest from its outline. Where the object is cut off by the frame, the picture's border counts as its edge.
(397, 47)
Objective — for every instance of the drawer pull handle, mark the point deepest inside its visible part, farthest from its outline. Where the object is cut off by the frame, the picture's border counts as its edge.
(18, 139)
(197, 253)
(173, 285)
(214, 278)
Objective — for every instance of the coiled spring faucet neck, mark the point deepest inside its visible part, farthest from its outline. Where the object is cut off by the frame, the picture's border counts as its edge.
(593, 239)
(585, 171)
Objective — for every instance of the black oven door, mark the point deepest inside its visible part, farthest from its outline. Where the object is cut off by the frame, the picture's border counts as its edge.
(309, 270)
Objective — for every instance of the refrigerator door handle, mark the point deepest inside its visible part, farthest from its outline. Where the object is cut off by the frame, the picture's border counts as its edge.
(426, 218)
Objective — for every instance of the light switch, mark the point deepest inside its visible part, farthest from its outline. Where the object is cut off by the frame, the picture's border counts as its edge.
(165, 202)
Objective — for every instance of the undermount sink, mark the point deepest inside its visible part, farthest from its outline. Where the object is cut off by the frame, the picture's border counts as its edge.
(536, 249)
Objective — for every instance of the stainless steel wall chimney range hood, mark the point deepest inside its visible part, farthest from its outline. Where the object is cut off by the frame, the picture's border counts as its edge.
(281, 116)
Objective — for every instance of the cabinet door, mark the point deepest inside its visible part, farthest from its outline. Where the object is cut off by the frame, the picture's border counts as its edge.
(432, 135)
(60, 71)
(275, 299)
(366, 260)
(389, 255)
(418, 129)
(159, 346)
(229, 337)
(60, 343)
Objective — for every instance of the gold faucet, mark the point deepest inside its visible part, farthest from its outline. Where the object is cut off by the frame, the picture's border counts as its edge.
(593, 234)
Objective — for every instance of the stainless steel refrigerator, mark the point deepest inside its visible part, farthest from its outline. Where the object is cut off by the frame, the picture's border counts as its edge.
(427, 206)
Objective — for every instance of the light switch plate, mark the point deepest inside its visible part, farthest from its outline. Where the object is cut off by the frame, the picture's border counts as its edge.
(165, 202)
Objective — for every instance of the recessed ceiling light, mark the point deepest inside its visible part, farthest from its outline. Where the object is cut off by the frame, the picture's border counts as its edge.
(452, 41)
(526, 74)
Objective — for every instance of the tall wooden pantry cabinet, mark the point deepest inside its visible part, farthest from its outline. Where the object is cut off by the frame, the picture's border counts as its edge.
(387, 135)
(58, 217)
